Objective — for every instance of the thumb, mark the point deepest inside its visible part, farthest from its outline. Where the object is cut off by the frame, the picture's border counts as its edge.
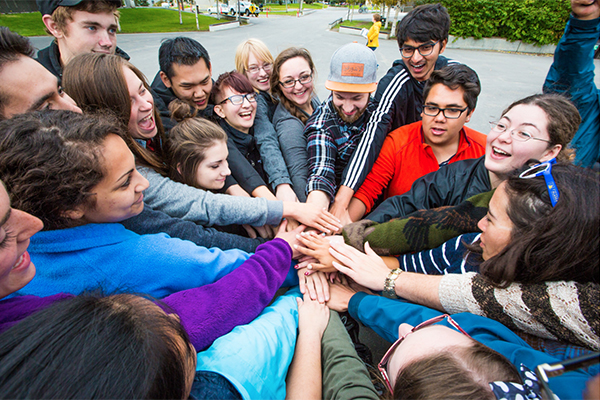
(368, 250)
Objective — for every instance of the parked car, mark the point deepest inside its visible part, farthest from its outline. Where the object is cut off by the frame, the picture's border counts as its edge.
(223, 9)
(246, 8)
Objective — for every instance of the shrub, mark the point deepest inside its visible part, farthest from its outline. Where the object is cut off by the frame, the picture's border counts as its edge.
(531, 21)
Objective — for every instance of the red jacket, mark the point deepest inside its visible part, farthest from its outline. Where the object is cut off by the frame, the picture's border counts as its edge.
(405, 157)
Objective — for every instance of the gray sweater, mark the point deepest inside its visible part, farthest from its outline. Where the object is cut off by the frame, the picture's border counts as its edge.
(290, 131)
(206, 208)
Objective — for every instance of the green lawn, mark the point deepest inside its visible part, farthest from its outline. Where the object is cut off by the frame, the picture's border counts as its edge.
(358, 24)
(133, 20)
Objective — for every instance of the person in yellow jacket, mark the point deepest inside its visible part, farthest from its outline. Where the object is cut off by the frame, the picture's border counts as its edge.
(373, 34)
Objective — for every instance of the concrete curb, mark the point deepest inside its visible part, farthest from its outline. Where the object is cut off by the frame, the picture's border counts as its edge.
(223, 26)
(498, 44)
(489, 44)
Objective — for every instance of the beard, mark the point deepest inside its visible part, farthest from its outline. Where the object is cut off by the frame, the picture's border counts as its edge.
(350, 119)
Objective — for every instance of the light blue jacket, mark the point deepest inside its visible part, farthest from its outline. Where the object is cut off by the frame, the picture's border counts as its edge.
(385, 315)
(572, 74)
(110, 257)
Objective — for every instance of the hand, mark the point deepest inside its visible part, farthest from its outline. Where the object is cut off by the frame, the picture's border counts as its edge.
(292, 224)
(284, 192)
(585, 9)
(312, 315)
(303, 261)
(316, 246)
(340, 212)
(315, 285)
(339, 296)
(290, 237)
(312, 216)
(366, 269)
(265, 231)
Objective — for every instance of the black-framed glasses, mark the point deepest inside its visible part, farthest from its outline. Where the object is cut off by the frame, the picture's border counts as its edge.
(254, 69)
(546, 371)
(238, 99)
(450, 113)
(521, 136)
(544, 169)
(425, 49)
(382, 366)
(290, 83)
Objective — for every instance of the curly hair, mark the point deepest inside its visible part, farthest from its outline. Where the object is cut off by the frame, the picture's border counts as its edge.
(50, 162)
(276, 91)
(549, 243)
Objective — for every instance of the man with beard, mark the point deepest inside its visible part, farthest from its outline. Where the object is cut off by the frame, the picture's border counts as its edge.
(422, 36)
(439, 139)
(336, 127)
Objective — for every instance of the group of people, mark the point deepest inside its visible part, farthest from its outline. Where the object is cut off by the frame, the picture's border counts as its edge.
(145, 228)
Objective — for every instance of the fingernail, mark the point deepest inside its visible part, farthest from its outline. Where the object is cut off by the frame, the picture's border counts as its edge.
(309, 266)
(295, 246)
(306, 273)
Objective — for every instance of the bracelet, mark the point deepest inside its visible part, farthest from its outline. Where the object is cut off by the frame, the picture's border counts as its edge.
(389, 287)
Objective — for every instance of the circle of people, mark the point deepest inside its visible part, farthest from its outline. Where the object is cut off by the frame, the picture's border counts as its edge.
(164, 219)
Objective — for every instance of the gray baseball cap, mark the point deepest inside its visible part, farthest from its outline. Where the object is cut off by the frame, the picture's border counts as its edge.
(48, 6)
(353, 68)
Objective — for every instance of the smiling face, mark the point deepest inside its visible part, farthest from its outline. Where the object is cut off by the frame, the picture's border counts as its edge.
(141, 119)
(503, 154)
(87, 33)
(261, 78)
(421, 67)
(439, 130)
(191, 83)
(496, 226)
(43, 91)
(240, 116)
(294, 68)
(119, 195)
(428, 341)
(212, 171)
(16, 227)
(350, 106)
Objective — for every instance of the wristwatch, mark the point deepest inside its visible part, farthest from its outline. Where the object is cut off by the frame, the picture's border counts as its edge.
(389, 288)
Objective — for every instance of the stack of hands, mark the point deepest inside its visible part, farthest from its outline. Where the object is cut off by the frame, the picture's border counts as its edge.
(331, 272)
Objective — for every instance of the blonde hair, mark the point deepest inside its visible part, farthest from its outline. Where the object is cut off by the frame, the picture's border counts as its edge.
(63, 14)
(244, 49)
(188, 142)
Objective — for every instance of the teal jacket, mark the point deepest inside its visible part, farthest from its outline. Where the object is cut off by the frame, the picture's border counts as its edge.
(572, 74)
(110, 257)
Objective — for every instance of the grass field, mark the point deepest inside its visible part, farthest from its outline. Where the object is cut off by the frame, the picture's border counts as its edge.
(133, 20)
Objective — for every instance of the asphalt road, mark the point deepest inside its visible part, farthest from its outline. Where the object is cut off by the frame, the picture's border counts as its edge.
(505, 77)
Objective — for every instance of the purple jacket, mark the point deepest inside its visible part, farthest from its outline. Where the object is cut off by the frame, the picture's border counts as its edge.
(207, 312)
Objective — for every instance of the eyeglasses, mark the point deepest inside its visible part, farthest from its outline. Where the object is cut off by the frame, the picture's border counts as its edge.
(424, 49)
(238, 99)
(544, 169)
(450, 113)
(382, 366)
(521, 136)
(290, 83)
(545, 371)
(265, 67)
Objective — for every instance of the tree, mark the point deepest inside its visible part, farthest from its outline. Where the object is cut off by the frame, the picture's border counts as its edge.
(400, 8)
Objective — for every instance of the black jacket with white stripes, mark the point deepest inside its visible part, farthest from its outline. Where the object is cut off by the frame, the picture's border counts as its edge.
(399, 101)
